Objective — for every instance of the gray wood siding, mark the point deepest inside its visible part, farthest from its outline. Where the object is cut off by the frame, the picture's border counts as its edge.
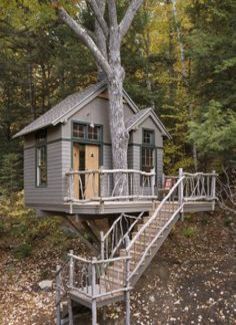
(159, 167)
(52, 193)
(66, 165)
(97, 111)
(107, 157)
(148, 124)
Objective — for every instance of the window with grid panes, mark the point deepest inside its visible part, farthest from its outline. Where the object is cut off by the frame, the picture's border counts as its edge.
(41, 158)
(86, 132)
(148, 150)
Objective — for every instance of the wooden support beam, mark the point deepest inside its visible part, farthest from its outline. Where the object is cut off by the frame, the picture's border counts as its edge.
(94, 248)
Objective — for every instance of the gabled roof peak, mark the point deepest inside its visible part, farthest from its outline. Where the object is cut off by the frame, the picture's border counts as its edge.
(70, 105)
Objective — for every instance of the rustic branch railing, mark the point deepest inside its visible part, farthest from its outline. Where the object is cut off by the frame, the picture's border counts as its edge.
(199, 186)
(90, 279)
(117, 235)
(169, 206)
(111, 275)
(189, 187)
(107, 185)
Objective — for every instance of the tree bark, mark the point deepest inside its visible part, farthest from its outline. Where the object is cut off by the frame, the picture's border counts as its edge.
(106, 51)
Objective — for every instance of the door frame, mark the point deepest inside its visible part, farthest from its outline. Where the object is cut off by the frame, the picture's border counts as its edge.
(99, 142)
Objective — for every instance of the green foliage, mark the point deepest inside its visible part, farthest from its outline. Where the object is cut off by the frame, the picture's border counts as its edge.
(42, 62)
(23, 250)
(23, 231)
(11, 178)
(215, 134)
(189, 232)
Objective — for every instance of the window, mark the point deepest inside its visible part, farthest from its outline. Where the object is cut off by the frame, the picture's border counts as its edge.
(87, 132)
(148, 137)
(41, 158)
(79, 131)
(148, 150)
(147, 159)
(93, 133)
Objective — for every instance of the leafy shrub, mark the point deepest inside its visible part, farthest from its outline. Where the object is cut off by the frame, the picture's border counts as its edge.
(23, 250)
(189, 232)
(24, 228)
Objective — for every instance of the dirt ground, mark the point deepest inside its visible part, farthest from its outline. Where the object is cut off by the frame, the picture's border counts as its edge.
(190, 281)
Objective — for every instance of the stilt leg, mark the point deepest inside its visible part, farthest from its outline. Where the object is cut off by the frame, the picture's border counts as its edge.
(127, 307)
(70, 312)
(94, 312)
(58, 297)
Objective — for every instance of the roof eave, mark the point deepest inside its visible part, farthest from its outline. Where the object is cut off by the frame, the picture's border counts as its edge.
(158, 122)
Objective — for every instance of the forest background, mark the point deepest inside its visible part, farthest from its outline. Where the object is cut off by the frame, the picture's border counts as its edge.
(180, 60)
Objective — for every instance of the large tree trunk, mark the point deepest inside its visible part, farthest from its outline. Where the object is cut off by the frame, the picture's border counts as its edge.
(105, 47)
(119, 135)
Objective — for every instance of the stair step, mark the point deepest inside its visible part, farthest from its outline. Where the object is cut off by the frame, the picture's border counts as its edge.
(152, 227)
(116, 272)
(161, 219)
(110, 285)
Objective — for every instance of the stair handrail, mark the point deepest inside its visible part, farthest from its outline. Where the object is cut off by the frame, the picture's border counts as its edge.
(166, 225)
(142, 229)
(123, 236)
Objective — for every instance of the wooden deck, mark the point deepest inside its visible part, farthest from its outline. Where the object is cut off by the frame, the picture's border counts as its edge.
(96, 208)
(107, 208)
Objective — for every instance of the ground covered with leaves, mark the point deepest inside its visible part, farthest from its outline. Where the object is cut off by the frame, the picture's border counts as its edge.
(190, 281)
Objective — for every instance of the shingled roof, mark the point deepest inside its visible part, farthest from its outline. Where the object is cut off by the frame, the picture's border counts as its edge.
(135, 118)
(73, 103)
(140, 116)
(53, 116)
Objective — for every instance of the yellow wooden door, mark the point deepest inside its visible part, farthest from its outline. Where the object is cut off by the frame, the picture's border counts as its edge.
(91, 163)
(76, 168)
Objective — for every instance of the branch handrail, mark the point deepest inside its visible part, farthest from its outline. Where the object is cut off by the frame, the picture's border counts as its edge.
(155, 214)
(100, 261)
(153, 242)
(199, 186)
(109, 171)
(123, 235)
(107, 184)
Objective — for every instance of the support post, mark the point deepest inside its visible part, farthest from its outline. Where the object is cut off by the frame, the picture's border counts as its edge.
(94, 304)
(70, 311)
(58, 295)
(213, 189)
(127, 285)
(71, 283)
(102, 245)
(181, 192)
(71, 274)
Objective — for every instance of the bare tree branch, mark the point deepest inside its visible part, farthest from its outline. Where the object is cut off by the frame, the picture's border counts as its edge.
(129, 16)
(83, 35)
(99, 16)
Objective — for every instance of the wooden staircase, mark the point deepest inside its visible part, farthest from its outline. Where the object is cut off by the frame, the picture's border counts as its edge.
(126, 251)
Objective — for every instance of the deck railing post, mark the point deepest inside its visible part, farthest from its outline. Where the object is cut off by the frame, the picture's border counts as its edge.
(153, 181)
(213, 188)
(72, 185)
(93, 290)
(58, 295)
(127, 284)
(181, 190)
(102, 245)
